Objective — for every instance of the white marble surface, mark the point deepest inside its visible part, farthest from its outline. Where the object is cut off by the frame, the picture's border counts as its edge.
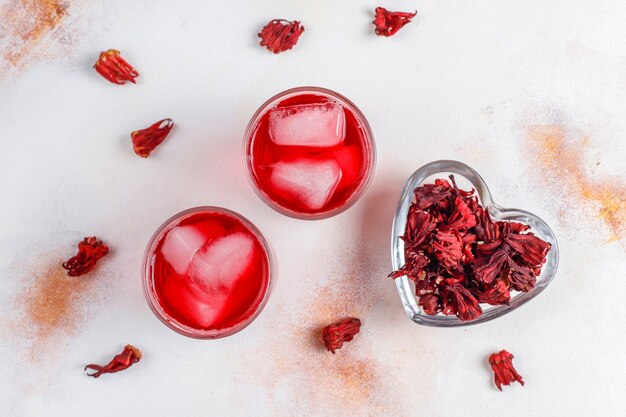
(466, 82)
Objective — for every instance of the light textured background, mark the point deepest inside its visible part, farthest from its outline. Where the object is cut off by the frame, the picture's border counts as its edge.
(467, 81)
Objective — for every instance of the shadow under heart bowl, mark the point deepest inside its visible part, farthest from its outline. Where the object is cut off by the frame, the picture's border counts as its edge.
(207, 272)
(466, 178)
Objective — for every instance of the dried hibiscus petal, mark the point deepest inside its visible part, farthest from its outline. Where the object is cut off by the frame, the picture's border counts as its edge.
(430, 304)
(388, 23)
(431, 194)
(448, 249)
(89, 251)
(124, 360)
(280, 35)
(458, 300)
(488, 269)
(469, 239)
(336, 334)
(504, 372)
(496, 294)
(462, 217)
(486, 229)
(522, 278)
(532, 249)
(420, 225)
(115, 68)
(146, 140)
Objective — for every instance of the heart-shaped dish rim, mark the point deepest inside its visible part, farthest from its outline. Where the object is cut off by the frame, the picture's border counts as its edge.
(441, 169)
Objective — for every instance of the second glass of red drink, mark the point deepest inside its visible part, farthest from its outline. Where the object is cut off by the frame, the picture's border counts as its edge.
(207, 272)
(309, 153)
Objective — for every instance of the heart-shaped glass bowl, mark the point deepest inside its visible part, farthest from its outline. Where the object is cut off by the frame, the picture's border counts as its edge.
(466, 178)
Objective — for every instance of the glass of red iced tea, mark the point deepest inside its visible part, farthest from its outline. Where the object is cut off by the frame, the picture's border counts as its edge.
(207, 272)
(309, 153)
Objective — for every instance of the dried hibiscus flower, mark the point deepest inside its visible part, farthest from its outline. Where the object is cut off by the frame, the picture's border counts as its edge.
(124, 360)
(336, 334)
(280, 35)
(458, 257)
(388, 23)
(89, 251)
(146, 140)
(115, 68)
(504, 372)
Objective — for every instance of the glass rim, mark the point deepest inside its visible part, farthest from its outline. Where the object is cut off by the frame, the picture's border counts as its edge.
(538, 226)
(369, 139)
(147, 279)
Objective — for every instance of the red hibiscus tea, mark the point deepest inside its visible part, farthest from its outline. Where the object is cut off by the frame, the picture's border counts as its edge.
(207, 272)
(309, 153)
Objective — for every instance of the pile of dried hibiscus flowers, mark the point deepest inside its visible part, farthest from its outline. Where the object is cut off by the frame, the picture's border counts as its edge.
(458, 257)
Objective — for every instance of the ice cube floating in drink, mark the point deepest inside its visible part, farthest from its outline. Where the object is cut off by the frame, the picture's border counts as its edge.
(309, 153)
(207, 272)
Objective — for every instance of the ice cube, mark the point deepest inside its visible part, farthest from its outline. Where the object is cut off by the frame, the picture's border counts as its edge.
(310, 181)
(316, 125)
(218, 265)
(179, 246)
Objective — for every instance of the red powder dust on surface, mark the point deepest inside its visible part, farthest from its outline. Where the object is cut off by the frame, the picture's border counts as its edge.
(560, 156)
(24, 24)
(52, 305)
(294, 361)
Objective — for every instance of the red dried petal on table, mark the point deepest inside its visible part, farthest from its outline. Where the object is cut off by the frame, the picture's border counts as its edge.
(504, 372)
(89, 251)
(336, 334)
(129, 356)
(146, 140)
(388, 23)
(532, 249)
(115, 68)
(280, 35)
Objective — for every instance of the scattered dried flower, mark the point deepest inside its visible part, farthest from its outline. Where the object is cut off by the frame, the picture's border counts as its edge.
(89, 251)
(336, 334)
(124, 360)
(388, 23)
(115, 68)
(146, 140)
(504, 372)
(280, 35)
(458, 257)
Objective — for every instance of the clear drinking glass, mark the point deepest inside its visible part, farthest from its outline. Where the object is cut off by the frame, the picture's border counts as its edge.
(261, 188)
(466, 178)
(152, 294)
